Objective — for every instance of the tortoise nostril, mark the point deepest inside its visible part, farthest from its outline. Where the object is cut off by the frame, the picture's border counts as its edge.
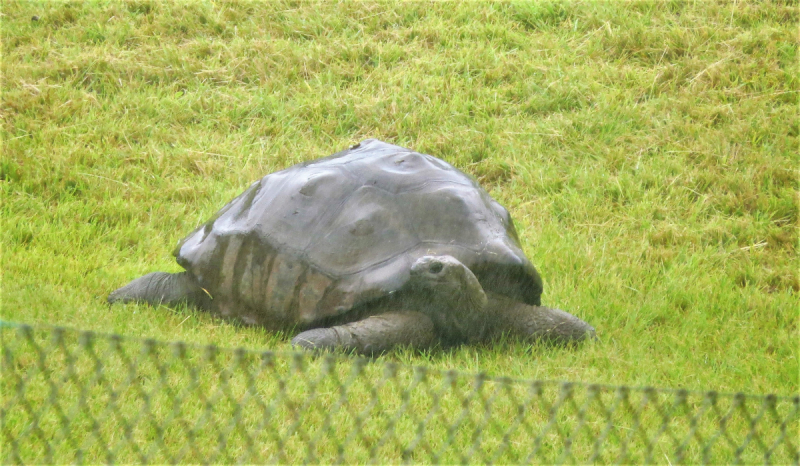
(436, 267)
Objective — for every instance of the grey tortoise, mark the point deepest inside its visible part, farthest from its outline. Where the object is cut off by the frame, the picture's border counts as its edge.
(373, 247)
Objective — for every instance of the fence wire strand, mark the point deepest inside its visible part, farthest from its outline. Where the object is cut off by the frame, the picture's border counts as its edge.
(72, 396)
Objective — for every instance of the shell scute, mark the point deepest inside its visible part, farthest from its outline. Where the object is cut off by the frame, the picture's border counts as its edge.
(281, 286)
(366, 232)
(310, 295)
(447, 213)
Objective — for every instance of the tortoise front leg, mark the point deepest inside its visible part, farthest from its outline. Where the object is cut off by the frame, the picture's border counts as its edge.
(531, 323)
(373, 335)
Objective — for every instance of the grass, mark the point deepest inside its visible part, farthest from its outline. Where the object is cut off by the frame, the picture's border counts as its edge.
(646, 151)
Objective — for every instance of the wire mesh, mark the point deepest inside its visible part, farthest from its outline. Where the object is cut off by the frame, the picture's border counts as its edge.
(83, 397)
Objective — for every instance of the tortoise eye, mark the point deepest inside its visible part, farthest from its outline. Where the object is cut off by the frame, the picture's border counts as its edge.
(436, 267)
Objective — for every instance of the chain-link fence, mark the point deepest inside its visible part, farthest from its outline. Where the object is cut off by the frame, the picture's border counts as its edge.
(72, 396)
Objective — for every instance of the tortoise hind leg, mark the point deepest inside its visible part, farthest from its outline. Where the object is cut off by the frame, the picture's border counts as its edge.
(373, 335)
(162, 288)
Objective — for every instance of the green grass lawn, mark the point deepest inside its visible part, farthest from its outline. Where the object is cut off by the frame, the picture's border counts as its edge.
(648, 153)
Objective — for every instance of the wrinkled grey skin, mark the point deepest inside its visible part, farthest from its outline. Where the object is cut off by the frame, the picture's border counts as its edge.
(372, 248)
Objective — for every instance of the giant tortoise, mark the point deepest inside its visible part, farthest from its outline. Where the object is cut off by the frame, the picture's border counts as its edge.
(373, 247)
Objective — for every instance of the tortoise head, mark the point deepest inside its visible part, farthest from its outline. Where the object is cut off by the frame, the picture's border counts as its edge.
(455, 300)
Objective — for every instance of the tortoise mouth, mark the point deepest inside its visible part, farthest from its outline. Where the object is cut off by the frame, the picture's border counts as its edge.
(456, 328)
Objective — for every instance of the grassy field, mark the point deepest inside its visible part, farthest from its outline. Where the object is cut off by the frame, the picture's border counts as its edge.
(648, 153)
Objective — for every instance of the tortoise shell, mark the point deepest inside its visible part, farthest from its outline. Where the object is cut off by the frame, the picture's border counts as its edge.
(318, 239)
